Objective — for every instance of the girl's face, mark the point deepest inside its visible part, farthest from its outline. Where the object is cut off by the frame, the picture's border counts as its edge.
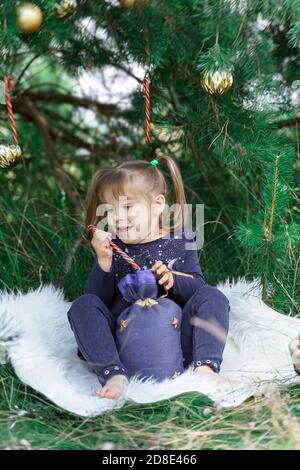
(133, 219)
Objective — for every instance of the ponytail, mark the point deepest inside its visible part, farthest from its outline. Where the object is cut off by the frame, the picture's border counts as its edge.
(92, 199)
(181, 214)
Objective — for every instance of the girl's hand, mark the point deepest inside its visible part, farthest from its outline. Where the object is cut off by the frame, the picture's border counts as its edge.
(101, 244)
(163, 274)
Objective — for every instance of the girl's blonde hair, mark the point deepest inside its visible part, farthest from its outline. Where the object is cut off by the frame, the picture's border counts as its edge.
(140, 178)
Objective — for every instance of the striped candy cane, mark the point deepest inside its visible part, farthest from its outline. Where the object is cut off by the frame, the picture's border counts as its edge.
(122, 253)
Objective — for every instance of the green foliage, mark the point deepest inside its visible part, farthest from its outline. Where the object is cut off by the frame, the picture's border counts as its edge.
(242, 164)
(238, 153)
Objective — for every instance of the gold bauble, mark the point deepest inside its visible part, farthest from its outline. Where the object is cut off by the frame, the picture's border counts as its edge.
(166, 134)
(64, 8)
(216, 82)
(170, 136)
(29, 17)
(141, 4)
(10, 155)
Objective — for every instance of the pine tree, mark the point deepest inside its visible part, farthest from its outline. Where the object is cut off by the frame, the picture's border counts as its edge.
(238, 152)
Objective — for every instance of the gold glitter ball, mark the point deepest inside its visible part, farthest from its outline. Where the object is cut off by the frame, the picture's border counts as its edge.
(10, 155)
(216, 82)
(64, 8)
(29, 17)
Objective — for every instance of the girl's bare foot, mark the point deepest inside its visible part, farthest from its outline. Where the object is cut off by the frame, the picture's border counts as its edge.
(205, 370)
(219, 377)
(113, 387)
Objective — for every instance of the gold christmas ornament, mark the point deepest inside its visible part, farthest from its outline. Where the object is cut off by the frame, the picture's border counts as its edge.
(216, 82)
(10, 155)
(29, 17)
(127, 4)
(166, 134)
(175, 322)
(170, 136)
(64, 8)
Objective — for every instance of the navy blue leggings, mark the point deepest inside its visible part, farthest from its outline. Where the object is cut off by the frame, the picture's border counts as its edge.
(204, 328)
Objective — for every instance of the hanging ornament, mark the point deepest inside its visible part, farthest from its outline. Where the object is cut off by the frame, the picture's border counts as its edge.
(166, 133)
(140, 4)
(64, 8)
(170, 137)
(216, 82)
(29, 17)
(10, 154)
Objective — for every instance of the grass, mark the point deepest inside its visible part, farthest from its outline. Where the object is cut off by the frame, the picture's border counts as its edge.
(190, 421)
(33, 247)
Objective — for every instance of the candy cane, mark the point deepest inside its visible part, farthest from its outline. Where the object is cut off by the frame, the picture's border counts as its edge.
(146, 88)
(122, 253)
(9, 84)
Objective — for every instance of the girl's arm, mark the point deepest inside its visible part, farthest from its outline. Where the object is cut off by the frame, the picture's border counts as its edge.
(184, 287)
(101, 283)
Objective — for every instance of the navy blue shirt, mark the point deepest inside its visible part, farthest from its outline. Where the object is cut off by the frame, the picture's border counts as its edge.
(171, 249)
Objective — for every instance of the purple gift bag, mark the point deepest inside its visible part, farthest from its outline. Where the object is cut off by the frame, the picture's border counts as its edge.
(148, 330)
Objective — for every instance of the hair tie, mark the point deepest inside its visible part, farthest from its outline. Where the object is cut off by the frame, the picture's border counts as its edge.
(154, 162)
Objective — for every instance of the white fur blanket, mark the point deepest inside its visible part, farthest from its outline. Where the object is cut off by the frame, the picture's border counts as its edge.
(42, 350)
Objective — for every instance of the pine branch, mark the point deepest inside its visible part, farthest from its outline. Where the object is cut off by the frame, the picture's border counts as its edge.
(105, 109)
(63, 177)
(114, 148)
(268, 230)
(286, 122)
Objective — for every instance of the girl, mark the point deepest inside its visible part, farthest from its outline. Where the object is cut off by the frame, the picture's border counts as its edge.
(134, 195)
